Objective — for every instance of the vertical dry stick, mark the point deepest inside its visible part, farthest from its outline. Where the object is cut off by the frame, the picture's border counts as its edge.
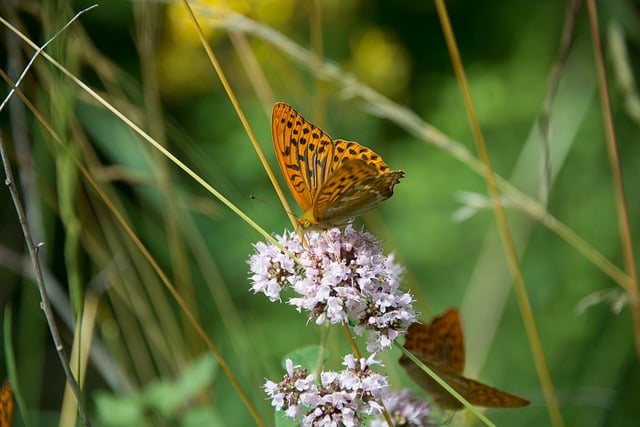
(505, 233)
(623, 219)
(46, 307)
(33, 250)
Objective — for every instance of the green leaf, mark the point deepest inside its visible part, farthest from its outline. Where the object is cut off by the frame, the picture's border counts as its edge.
(116, 140)
(119, 411)
(308, 357)
(167, 397)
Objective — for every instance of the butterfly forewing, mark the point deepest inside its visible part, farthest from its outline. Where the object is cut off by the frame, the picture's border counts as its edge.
(332, 180)
(307, 155)
(440, 342)
(288, 127)
(440, 346)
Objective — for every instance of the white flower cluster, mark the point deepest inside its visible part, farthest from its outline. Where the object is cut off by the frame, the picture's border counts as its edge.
(340, 277)
(341, 399)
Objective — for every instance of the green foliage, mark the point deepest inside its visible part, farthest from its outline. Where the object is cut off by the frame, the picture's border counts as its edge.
(163, 402)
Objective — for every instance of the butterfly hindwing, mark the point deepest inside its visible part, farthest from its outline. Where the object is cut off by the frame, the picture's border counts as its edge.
(481, 394)
(352, 190)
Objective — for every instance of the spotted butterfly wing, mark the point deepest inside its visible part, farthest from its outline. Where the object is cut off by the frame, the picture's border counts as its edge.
(440, 346)
(331, 180)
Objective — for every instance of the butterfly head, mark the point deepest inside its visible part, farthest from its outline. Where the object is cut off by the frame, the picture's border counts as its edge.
(308, 222)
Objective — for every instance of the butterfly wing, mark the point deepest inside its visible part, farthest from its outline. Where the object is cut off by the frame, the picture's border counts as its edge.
(353, 189)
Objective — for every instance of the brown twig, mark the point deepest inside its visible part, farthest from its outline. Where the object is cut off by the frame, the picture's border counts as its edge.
(31, 246)
(46, 307)
(621, 204)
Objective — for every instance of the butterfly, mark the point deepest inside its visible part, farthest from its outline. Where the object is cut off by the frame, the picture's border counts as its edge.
(331, 179)
(440, 346)
(6, 404)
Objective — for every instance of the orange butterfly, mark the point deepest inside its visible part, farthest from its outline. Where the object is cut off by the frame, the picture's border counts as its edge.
(440, 346)
(331, 179)
(6, 404)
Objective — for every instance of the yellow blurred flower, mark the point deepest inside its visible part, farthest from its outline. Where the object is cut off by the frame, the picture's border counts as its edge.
(183, 64)
(271, 12)
(382, 62)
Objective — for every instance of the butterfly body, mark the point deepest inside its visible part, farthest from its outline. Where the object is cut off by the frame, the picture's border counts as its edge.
(440, 346)
(332, 180)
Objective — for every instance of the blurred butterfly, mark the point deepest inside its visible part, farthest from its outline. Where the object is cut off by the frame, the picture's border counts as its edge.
(331, 179)
(6, 404)
(440, 346)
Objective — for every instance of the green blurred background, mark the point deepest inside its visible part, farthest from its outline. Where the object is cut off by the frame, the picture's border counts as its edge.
(147, 363)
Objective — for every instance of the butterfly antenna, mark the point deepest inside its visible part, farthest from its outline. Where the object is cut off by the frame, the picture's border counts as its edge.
(266, 203)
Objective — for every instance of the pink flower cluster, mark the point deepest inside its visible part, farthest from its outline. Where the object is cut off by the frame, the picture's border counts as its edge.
(347, 398)
(340, 399)
(340, 277)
